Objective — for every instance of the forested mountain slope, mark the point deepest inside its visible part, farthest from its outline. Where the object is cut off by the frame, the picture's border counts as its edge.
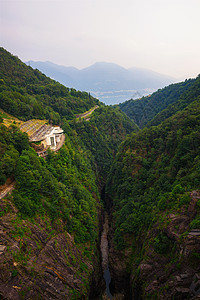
(102, 136)
(109, 82)
(151, 184)
(27, 93)
(49, 226)
(145, 109)
(190, 95)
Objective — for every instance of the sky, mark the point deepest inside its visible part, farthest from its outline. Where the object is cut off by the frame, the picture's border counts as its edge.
(160, 35)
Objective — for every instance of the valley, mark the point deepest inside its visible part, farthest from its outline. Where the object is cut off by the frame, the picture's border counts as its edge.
(109, 82)
(114, 213)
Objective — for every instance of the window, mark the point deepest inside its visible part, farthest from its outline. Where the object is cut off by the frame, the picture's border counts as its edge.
(52, 141)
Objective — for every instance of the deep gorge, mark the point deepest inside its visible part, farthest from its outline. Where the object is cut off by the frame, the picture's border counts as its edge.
(111, 284)
(117, 281)
(132, 194)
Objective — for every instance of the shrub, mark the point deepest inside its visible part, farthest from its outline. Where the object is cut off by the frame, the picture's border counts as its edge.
(162, 243)
(195, 224)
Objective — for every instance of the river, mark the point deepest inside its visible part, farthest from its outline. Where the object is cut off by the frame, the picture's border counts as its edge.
(104, 254)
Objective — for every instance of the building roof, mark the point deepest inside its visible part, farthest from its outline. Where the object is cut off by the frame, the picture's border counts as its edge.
(37, 130)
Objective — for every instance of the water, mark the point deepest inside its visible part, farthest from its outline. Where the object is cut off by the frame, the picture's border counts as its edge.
(107, 279)
(104, 254)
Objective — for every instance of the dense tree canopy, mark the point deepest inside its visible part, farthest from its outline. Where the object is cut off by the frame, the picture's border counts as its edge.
(12, 143)
(148, 172)
(65, 185)
(154, 169)
(166, 101)
(27, 93)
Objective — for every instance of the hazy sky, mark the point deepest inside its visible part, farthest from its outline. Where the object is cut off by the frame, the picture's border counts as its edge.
(161, 35)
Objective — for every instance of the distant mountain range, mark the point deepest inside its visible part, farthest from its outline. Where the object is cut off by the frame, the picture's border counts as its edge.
(109, 82)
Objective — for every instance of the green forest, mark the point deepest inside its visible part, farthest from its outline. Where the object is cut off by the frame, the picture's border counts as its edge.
(154, 171)
(63, 189)
(64, 183)
(27, 93)
(154, 109)
(142, 155)
(151, 182)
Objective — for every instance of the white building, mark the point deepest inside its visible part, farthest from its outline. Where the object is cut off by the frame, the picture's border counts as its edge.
(39, 131)
(53, 138)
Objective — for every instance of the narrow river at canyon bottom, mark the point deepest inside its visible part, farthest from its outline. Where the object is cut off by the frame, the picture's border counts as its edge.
(104, 254)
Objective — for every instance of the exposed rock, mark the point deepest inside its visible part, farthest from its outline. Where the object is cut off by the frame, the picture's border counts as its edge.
(195, 196)
(2, 249)
(118, 265)
(5, 273)
(195, 287)
(182, 290)
(183, 276)
(179, 279)
(9, 292)
(195, 232)
(172, 275)
(145, 267)
(40, 260)
(152, 287)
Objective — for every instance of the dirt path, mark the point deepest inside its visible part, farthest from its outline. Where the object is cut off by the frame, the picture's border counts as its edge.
(7, 190)
(86, 114)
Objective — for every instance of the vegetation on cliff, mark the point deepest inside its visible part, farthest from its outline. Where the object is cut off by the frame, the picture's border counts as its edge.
(49, 224)
(102, 135)
(154, 183)
(154, 169)
(61, 191)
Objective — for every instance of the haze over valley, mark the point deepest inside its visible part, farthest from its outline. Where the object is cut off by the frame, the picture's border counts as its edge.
(108, 82)
(99, 201)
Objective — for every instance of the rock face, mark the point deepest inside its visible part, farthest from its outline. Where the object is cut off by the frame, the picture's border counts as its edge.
(41, 261)
(104, 244)
(176, 273)
(120, 273)
(151, 272)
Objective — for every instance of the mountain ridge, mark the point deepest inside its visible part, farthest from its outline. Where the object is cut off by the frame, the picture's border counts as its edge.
(148, 179)
(110, 82)
(161, 104)
(49, 247)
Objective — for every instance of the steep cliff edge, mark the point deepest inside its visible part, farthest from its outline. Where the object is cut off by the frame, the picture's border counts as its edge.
(154, 185)
(170, 264)
(40, 260)
(49, 247)
(49, 226)
(164, 262)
